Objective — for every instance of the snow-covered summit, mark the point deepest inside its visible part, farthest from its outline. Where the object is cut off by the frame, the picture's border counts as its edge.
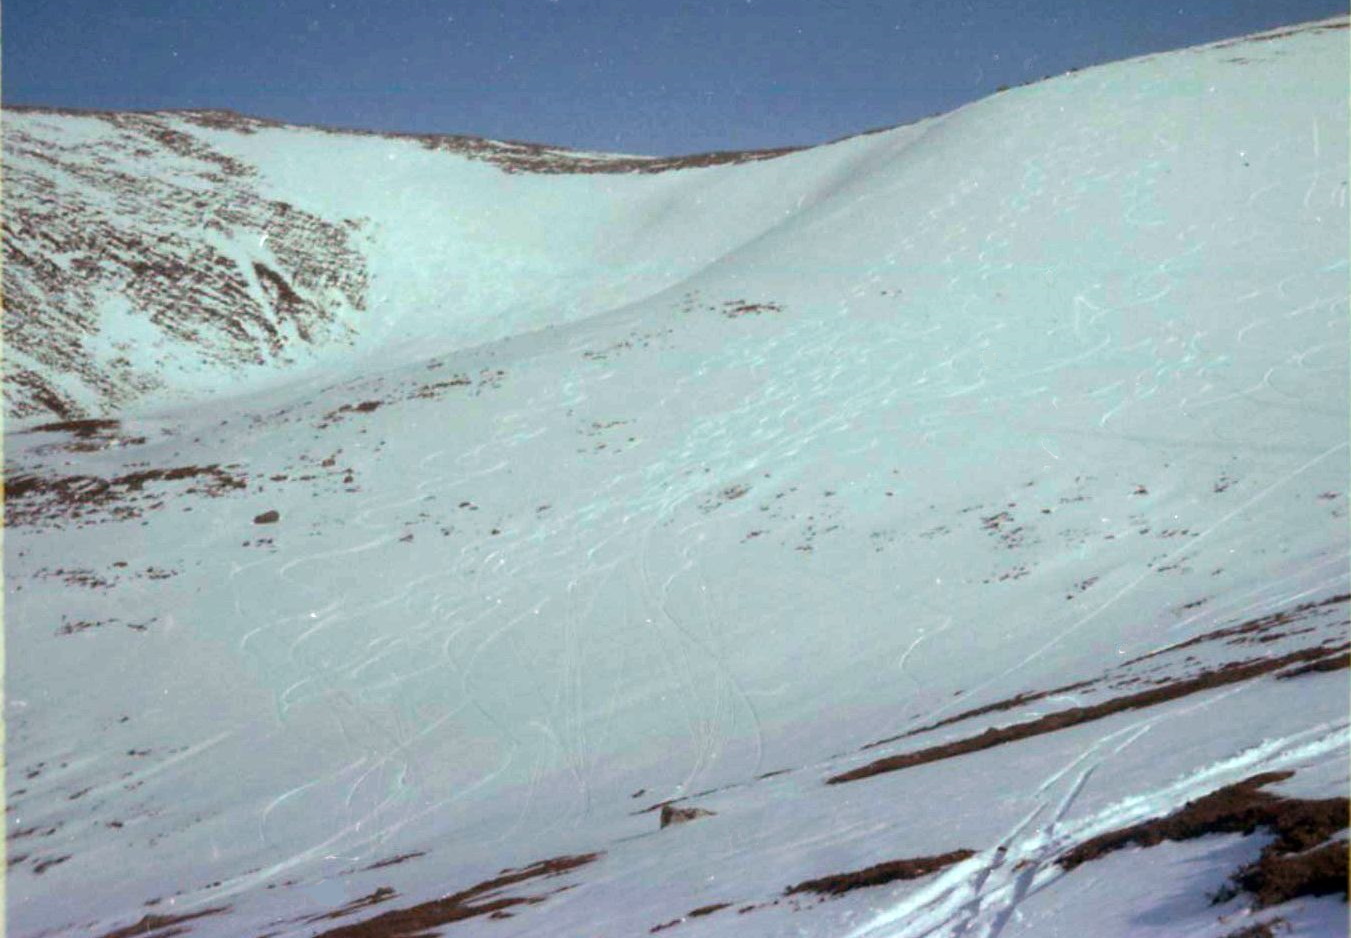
(153, 257)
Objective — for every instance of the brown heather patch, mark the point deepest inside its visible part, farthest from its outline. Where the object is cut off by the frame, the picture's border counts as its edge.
(1298, 862)
(1277, 878)
(1265, 929)
(734, 309)
(694, 913)
(33, 499)
(393, 861)
(84, 436)
(162, 926)
(339, 414)
(1260, 630)
(879, 875)
(1240, 808)
(1334, 662)
(433, 391)
(670, 815)
(84, 429)
(1281, 34)
(1251, 630)
(476, 901)
(1009, 703)
(380, 895)
(510, 156)
(1231, 673)
(708, 909)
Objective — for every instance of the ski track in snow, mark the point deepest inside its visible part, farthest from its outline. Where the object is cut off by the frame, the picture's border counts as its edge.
(981, 894)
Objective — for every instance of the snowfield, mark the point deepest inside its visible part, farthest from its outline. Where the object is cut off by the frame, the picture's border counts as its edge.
(944, 529)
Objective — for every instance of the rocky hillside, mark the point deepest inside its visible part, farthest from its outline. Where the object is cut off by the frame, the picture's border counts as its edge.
(125, 231)
(142, 257)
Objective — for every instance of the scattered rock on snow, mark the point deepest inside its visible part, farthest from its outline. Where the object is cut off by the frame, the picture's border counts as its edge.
(670, 814)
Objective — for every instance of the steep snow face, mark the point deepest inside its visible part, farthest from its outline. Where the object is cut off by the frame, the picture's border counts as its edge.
(942, 510)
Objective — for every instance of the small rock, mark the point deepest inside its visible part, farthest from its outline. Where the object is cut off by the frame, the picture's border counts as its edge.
(267, 517)
(670, 814)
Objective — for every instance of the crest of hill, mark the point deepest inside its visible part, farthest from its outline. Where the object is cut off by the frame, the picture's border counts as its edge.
(156, 257)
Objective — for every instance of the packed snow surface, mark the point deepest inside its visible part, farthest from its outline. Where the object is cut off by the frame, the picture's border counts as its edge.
(764, 488)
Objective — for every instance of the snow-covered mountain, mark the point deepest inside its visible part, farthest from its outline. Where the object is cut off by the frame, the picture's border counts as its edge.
(158, 257)
(938, 532)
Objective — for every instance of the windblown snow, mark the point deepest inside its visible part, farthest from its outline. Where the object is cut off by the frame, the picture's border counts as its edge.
(938, 532)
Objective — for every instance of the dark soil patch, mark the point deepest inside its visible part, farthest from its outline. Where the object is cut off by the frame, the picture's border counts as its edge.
(879, 875)
(1231, 673)
(419, 920)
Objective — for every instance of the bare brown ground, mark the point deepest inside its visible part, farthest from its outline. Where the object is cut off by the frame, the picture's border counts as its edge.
(879, 875)
(417, 921)
(1231, 673)
(162, 926)
(1298, 862)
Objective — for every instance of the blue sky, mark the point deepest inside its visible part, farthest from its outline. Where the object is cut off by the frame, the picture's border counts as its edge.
(638, 76)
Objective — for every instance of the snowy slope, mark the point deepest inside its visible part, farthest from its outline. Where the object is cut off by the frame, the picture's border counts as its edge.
(960, 494)
(157, 257)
